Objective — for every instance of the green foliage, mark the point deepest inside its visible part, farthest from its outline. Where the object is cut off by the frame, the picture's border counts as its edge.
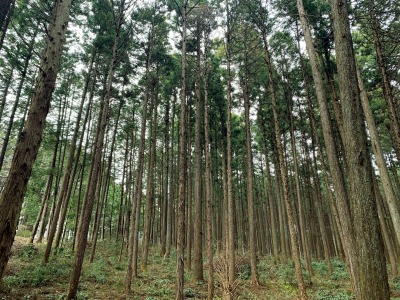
(396, 283)
(333, 295)
(37, 275)
(189, 293)
(339, 270)
(27, 252)
(244, 271)
(320, 268)
(97, 271)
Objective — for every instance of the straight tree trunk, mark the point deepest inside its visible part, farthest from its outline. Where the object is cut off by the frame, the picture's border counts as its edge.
(95, 166)
(198, 197)
(72, 175)
(230, 226)
(388, 189)
(150, 201)
(165, 201)
(207, 181)
(300, 202)
(271, 206)
(371, 265)
(283, 173)
(341, 195)
(6, 7)
(62, 200)
(7, 85)
(28, 144)
(387, 86)
(107, 177)
(249, 169)
(168, 238)
(180, 245)
(137, 194)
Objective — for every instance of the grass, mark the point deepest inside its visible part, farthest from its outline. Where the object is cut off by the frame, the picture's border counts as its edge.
(29, 278)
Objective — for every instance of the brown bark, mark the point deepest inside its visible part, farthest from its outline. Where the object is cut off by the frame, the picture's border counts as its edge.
(95, 167)
(372, 282)
(180, 245)
(198, 198)
(23, 74)
(207, 181)
(249, 168)
(166, 197)
(230, 243)
(28, 144)
(271, 206)
(388, 189)
(283, 172)
(300, 202)
(342, 199)
(67, 175)
(387, 86)
(6, 87)
(150, 201)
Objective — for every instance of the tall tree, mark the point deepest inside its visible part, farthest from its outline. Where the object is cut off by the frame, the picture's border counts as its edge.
(371, 270)
(229, 227)
(29, 141)
(180, 243)
(96, 162)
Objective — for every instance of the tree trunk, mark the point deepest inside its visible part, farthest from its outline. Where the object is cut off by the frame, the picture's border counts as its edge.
(230, 242)
(7, 85)
(207, 181)
(342, 199)
(283, 173)
(62, 200)
(372, 281)
(95, 167)
(137, 194)
(388, 189)
(198, 193)
(6, 7)
(150, 201)
(182, 166)
(249, 168)
(28, 144)
(387, 86)
(17, 98)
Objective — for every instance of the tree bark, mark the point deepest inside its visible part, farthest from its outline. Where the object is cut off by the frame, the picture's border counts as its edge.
(62, 200)
(230, 226)
(249, 167)
(388, 189)
(150, 201)
(198, 198)
(342, 199)
(207, 181)
(95, 166)
(283, 173)
(137, 194)
(372, 281)
(29, 142)
(180, 245)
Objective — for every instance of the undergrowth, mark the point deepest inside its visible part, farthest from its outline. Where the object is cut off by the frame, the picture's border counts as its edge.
(29, 278)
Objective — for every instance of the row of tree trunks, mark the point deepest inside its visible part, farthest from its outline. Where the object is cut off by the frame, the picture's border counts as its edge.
(96, 160)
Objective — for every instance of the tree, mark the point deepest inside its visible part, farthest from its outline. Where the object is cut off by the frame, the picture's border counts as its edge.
(342, 199)
(29, 141)
(371, 271)
(184, 10)
(97, 155)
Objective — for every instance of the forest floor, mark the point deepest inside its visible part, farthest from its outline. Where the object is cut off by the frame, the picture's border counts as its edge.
(28, 278)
